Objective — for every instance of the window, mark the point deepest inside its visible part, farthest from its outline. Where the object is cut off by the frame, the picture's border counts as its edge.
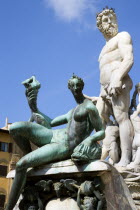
(3, 170)
(5, 147)
(2, 200)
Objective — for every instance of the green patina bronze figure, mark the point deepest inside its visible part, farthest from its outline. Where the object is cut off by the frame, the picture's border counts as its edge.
(32, 87)
(55, 145)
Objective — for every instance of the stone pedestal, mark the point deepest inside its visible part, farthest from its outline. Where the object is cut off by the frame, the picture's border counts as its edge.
(68, 179)
(134, 188)
(132, 179)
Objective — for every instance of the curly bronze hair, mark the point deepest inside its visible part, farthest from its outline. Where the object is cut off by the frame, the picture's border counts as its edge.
(75, 77)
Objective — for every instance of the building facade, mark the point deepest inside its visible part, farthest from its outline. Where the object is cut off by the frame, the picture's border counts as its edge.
(9, 155)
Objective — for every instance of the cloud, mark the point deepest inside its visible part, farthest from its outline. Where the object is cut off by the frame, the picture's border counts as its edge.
(70, 10)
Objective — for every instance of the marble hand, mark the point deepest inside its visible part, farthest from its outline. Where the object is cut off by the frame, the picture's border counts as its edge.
(115, 88)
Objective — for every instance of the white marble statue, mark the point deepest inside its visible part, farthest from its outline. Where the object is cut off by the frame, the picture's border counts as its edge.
(135, 119)
(110, 145)
(115, 61)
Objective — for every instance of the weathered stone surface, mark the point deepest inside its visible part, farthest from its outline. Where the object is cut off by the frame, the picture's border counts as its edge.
(65, 167)
(132, 180)
(117, 194)
(115, 190)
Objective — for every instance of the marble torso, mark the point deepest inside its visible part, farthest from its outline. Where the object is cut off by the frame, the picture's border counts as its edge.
(109, 60)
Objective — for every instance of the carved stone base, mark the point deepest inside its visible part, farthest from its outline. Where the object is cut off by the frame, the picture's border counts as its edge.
(96, 185)
(132, 179)
(134, 188)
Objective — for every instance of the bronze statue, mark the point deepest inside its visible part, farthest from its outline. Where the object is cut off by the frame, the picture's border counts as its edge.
(57, 145)
(32, 87)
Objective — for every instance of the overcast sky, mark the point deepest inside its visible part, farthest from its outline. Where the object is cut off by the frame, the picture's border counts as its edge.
(51, 39)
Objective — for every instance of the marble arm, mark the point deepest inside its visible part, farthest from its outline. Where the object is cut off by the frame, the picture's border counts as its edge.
(136, 113)
(94, 99)
(126, 51)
